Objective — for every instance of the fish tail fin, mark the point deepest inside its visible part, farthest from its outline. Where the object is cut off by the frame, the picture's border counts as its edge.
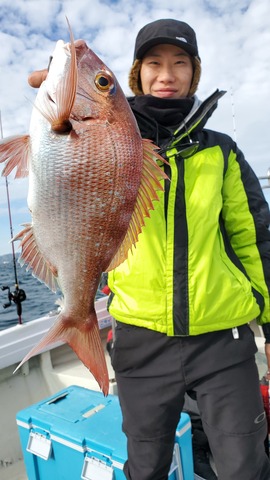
(84, 339)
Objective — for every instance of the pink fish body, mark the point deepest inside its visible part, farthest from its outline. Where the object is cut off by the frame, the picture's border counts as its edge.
(92, 181)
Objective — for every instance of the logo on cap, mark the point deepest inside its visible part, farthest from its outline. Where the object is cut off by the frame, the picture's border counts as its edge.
(182, 39)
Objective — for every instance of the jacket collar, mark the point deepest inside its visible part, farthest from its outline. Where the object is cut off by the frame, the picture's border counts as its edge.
(169, 136)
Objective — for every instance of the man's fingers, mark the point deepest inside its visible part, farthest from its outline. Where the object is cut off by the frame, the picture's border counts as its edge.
(36, 78)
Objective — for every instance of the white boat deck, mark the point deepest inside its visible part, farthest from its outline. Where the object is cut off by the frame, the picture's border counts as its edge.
(45, 375)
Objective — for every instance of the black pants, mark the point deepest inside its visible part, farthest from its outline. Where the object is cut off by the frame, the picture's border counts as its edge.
(154, 371)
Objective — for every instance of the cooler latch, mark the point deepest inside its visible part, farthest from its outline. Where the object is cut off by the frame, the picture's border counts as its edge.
(176, 465)
(39, 445)
(94, 469)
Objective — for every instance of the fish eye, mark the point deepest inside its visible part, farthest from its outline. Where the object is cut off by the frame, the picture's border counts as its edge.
(104, 82)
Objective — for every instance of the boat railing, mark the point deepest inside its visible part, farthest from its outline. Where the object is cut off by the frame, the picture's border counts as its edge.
(17, 341)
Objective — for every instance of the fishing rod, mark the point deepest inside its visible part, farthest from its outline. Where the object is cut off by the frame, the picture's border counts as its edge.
(264, 177)
(19, 295)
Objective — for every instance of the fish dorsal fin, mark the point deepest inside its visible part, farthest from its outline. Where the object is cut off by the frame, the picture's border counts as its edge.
(58, 115)
(33, 258)
(15, 152)
(150, 184)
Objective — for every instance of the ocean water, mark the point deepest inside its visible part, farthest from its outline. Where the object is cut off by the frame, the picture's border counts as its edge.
(39, 299)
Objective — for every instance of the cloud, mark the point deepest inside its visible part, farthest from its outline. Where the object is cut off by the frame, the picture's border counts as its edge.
(232, 37)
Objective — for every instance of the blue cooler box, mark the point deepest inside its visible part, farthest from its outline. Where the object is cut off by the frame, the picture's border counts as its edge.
(77, 434)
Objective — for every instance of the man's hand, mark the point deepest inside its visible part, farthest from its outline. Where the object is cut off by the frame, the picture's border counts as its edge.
(36, 78)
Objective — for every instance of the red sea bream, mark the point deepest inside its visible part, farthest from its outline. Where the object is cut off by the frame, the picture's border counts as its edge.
(92, 181)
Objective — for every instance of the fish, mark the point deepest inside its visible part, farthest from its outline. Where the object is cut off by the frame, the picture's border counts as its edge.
(92, 183)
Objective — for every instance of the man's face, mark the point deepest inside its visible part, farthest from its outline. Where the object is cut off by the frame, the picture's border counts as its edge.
(166, 72)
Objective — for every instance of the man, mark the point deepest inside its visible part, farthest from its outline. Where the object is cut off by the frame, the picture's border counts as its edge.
(199, 274)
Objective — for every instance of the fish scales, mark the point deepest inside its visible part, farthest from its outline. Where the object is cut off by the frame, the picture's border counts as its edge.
(92, 181)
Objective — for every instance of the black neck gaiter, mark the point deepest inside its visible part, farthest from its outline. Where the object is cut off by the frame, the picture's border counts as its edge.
(167, 112)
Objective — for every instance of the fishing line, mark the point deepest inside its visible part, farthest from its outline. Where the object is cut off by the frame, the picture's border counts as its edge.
(18, 296)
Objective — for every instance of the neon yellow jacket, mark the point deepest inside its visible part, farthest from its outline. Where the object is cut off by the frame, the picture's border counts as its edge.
(202, 262)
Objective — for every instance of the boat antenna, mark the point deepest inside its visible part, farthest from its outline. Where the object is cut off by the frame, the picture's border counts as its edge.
(18, 296)
(264, 177)
(233, 115)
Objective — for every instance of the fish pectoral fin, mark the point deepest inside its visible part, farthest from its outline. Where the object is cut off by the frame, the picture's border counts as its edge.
(58, 114)
(84, 339)
(151, 178)
(34, 259)
(15, 152)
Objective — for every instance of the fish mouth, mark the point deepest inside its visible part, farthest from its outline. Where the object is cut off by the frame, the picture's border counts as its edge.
(79, 45)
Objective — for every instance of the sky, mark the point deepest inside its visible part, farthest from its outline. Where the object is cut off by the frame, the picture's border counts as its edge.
(233, 39)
